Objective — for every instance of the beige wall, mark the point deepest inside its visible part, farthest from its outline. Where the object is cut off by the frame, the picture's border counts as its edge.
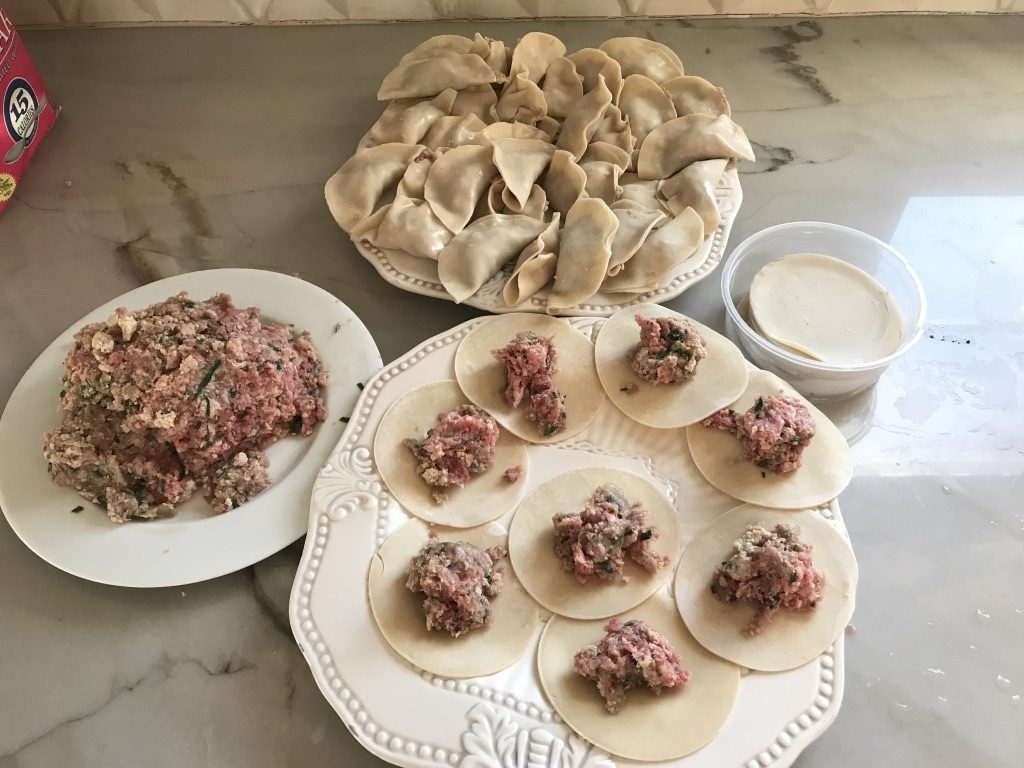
(84, 12)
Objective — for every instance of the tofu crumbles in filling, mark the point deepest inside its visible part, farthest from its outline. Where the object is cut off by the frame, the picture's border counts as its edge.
(774, 432)
(460, 446)
(668, 352)
(459, 581)
(630, 655)
(772, 570)
(530, 363)
(180, 396)
(597, 540)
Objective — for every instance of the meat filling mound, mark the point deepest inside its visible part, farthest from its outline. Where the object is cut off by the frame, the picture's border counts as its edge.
(180, 396)
(631, 655)
(774, 432)
(460, 446)
(668, 352)
(530, 363)
(597, 540)
(772, 570)
(459, 580)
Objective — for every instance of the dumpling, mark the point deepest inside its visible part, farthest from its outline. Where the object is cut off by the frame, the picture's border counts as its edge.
(635, 224)
(639, 191)
(605, 152)
(496, 132)
(494, 52)
(407, 120)
(664, 250)
(562, 87)
(478, 251)
(674, 145)
(692, 94)
(583, 254)
(454, 131)
(456, 182)
(411, 226)
(439, 45)
(355, 189)
(522, 101)
(534, 53)
(640, 56)
(645, 105)
(602, 180)
(592, 63)
(549, 126)
(520, 163)
(428, 77)
(415, 177)
(583, 119)
(564, 182)
(694, 187)
(535, 207)
(535, 266)
(477, 100)
(614, 129)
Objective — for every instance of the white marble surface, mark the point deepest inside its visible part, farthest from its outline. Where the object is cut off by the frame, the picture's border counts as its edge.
(188, 148)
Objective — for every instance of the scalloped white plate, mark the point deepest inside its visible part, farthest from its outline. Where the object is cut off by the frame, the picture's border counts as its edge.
(195, 544)
(415, 719)
(420, 275)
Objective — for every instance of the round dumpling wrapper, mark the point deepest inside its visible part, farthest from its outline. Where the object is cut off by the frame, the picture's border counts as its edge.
(825, 465)
(650, 727)
(398, 611)
(482, 377)
(531, 545)
(719, 379)
(485, 497)
(792, 638)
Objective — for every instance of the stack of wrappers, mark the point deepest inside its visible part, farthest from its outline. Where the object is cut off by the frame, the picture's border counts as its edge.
(28, 114)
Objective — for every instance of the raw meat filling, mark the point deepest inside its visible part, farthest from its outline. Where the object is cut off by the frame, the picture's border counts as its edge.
(460, 446)
(530, 363)
(459, 580)
(771, 569)
(631, 655)
(774, 432)
(668, 352)
(598, 539)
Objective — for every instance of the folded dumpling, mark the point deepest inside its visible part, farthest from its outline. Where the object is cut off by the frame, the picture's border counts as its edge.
(602, 180)
(496, 132)
(414, 179)
(635, 224)
(477, 100)
(522, 101)
(411, 226)
(591, 64)
(564, 182)
(494, 52)
(356, 188)
(535, 266)
(478, 251)
(608, 153)
(674, 145)
(520, 163)
(428, 77)
(583, 254)
(640, 56)
(663, 251)
(645, 105)
(535, 207)
(694, 187)
(691, 94)
(406, 120)
(583, 119)
(456, 182)
(562, 87)
(439, 45)
(615, 130)
(534, 53)
(454, 131)
(640, 191)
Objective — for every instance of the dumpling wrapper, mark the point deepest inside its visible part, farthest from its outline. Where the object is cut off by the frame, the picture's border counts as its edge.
(635, 224)
(520, 163)
(664, 250)
(564, 182)
(454, 131)
(430, 76)
(826, 309)
(674, 145)
(645, 104)
(535, 267)
(398, 611)
(719, 379)
(479, 101)
(562, 87)
(584, 253)
(534, 53)
(482, 377)
(478, 251)
(825, 465)
(485, 497)
(521, 102)
(531, 545)
(353, 192)
(652, 728)
(406, 121)
(694, 187)
(456, 182)
(602, 180)
(691, 94)
(793, 638)
(583, 119)
(640, 56)
(593, 65)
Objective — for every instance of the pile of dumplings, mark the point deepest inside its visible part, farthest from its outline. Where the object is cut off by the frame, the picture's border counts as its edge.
(593, 171)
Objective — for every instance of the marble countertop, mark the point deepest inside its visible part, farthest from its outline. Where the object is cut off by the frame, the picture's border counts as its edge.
(188, 148)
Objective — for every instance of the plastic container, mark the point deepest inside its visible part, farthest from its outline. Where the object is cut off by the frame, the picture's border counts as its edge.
(813, 379)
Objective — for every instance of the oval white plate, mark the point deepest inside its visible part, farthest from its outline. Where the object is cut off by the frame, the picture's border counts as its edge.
(415, 719)
(195, 544)
(420, 275)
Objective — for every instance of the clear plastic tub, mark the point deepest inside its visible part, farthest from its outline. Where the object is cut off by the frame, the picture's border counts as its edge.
(814, 379)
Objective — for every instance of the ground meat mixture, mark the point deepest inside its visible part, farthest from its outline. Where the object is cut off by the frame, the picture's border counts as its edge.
(512, 474)
(774, 432)
(598, 539)
(460, 446)
(668, 352)
(631, 655)
(459, 580)
(182, 395)
(771, 569)
(530, 363)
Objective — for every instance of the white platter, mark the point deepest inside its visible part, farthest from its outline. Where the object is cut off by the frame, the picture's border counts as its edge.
(420, 275)
(195, 544)
(415, 719)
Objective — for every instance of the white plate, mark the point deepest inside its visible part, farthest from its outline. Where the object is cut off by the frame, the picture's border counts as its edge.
(420, 275)
(195, 544)
(413, 718)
